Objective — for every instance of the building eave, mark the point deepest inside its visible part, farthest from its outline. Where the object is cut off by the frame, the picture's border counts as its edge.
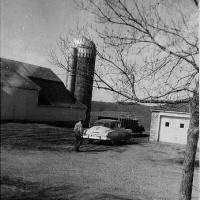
(178, 112)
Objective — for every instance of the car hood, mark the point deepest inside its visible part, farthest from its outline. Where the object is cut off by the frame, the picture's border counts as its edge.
(98, 130)
(105, 130)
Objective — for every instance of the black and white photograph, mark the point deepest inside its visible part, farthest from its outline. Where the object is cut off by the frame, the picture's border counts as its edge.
(99, 99)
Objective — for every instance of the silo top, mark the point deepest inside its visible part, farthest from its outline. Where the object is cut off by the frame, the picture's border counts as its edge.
(84, 42)
(86, 47)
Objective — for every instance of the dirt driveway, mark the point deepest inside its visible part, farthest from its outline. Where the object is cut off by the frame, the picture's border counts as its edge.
(38, 162)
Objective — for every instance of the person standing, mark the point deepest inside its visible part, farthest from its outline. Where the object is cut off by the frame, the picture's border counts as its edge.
(78, 129)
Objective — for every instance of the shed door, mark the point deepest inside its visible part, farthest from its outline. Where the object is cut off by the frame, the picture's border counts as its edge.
(173, 129)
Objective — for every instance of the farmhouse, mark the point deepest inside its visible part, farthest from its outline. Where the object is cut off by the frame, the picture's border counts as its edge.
(33, 93)
(169, 126)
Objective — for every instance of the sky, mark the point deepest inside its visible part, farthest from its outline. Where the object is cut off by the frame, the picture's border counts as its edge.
(30, 29)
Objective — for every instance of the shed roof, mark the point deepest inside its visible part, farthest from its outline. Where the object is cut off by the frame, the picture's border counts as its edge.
(170, 112)
(180, 107)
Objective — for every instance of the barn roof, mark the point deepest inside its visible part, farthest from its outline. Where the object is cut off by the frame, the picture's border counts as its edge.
(52, 91)
(8, 78)
(29, 70)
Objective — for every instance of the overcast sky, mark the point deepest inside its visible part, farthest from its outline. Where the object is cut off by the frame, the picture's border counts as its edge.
(30, 28)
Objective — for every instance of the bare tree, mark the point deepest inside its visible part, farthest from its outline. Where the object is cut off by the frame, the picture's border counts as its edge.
(62, 55)
(168, 72)
(148, 53)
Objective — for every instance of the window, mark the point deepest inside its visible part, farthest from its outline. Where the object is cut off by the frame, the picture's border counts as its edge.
(167, 124)
(181, 125)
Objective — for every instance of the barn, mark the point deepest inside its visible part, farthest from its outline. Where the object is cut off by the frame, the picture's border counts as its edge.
(169, 126)
(34, 93)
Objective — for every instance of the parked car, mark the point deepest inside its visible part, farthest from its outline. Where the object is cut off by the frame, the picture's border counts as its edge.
(107, 129)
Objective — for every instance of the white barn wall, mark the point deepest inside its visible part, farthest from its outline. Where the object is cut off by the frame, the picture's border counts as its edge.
(22, 104)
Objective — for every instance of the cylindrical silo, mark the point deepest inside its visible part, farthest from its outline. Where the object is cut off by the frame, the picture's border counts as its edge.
(86, 53)
(71, 78)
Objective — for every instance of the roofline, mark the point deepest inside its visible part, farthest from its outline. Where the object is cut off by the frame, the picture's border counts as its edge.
(20, 87)
(26, 63)
(4, 59)
(170, 111)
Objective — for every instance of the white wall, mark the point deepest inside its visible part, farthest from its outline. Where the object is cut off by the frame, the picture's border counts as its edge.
(175, 118)
(173, 132)
(21, 104)
(154, 126)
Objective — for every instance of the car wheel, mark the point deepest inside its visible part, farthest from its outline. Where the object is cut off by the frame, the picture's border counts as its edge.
(90, 141)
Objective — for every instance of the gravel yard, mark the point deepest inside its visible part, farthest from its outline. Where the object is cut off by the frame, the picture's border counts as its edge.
(38, 162)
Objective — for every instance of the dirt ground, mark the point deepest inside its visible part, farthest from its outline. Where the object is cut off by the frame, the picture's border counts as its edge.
(38, 162)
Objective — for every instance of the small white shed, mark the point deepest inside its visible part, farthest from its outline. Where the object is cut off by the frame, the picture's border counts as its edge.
(169, 126)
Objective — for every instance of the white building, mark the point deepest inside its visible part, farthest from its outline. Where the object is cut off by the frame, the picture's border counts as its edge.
(33, 93)
(169, 126)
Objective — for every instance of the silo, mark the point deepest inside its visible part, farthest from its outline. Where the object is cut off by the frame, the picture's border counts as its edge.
(71, 76)
(86, 53)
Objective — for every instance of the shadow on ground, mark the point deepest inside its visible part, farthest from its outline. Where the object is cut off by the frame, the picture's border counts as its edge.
(172, 161)
(14, 188)
(180, 161)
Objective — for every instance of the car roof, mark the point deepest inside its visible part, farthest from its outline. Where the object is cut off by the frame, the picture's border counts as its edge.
(107, 120)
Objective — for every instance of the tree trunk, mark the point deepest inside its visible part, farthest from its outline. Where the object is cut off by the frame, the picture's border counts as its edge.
(185, 192)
